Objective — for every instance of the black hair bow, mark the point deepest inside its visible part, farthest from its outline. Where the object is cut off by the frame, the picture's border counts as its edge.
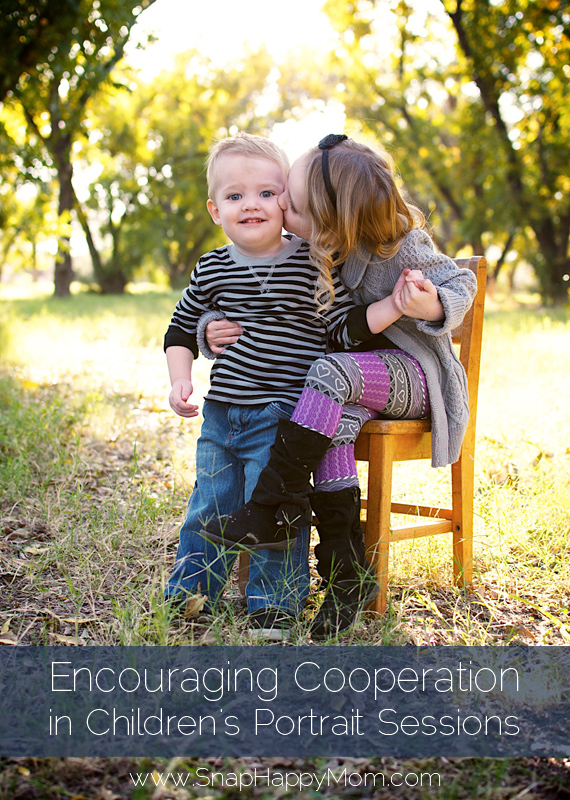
(325, 145)
(331, 139)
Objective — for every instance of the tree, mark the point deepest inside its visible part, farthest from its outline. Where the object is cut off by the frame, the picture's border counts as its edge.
(401, 89)
(54, 93)
(475, 113)
(30, 31)
(193, 105)
(149, 200)
(519, 54)
(27, 218)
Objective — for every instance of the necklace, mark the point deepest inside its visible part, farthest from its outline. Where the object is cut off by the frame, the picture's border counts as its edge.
(263, 282)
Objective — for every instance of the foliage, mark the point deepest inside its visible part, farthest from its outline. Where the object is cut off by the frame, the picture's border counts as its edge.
(475, 113)
(25, 222)
(54, 91)
(519, 51)
(30, 30)
(193, 105)
(151, 143)
(469, 97)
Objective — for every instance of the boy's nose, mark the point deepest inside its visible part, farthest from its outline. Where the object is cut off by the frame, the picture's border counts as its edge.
(251, 202)
(282, 200)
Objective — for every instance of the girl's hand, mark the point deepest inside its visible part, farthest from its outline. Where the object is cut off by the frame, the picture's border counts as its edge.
(221, 332)
(178, 398)
(418, 298)
(407, 276)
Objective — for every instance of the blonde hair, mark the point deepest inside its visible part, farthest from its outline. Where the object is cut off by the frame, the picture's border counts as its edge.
(245, 144)
(371, 215)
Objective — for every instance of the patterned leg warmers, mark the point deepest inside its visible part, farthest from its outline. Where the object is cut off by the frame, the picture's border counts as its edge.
(343, 391)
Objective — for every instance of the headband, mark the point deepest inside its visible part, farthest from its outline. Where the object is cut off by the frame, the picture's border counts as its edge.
(325, 145)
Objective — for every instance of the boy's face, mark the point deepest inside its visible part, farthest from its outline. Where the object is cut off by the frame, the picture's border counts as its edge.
(246, 203)
(293, 201)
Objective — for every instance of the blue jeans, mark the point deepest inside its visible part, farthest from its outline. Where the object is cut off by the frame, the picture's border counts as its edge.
(232, 450)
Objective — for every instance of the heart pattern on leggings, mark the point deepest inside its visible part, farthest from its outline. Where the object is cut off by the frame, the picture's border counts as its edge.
(323, 370)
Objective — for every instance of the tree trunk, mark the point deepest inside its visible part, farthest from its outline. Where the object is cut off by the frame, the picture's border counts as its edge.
(63, 273)
(114, 279)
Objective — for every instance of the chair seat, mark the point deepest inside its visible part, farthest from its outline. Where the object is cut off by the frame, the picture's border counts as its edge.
(392, 427)
(412, 438)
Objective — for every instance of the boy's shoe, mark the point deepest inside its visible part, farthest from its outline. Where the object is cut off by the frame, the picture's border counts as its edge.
(271, 624)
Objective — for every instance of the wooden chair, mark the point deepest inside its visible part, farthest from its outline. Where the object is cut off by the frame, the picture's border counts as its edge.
(383, 442)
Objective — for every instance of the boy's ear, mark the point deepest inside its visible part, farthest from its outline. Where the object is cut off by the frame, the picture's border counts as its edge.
(214, 213)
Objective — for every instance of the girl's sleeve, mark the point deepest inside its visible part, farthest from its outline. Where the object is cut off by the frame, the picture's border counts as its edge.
(456, 288)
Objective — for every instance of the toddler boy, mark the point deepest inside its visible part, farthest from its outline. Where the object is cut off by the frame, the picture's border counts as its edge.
(266, 282)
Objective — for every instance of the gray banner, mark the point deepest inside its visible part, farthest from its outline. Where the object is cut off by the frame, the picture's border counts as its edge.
(264, 701)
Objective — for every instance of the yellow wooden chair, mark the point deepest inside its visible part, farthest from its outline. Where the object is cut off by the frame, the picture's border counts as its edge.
(383, 442)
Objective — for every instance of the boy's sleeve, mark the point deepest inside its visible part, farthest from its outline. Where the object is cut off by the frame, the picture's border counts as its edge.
(456, 288)
(192, 305)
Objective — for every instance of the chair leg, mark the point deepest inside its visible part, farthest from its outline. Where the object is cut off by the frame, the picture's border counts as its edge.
(462, 485)
(378, 513)
(243, 572)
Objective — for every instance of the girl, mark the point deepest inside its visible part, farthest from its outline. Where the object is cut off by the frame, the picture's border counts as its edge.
(343, 196)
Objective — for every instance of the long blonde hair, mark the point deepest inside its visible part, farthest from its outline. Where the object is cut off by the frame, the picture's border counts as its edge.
(370, 217)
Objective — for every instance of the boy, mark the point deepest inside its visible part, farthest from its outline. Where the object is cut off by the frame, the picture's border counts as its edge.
(266, 281)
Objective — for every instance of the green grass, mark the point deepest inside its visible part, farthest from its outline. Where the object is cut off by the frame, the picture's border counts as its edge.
(95, 460)
(95, 471)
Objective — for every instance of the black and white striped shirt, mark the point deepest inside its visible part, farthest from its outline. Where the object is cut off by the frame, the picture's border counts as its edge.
(274, 302)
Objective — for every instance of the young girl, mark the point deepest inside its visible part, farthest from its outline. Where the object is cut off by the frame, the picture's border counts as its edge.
(343, 196)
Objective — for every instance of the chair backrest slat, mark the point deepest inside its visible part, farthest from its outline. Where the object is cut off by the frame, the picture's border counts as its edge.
(470, 335)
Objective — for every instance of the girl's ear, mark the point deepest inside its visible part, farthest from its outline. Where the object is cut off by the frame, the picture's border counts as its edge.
(214, 213)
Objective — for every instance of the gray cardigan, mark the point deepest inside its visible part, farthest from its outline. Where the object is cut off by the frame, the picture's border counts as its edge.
(369, 279)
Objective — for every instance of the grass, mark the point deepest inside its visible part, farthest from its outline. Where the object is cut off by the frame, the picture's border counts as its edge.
(95, 471)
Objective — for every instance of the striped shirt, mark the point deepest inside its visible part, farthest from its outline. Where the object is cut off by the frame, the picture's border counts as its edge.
(274, 302)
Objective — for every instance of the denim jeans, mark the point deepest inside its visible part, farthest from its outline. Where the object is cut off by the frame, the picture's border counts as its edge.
(232, 450)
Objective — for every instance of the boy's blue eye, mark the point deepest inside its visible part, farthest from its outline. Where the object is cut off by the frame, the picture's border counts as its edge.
(267, 193)
(234, 196)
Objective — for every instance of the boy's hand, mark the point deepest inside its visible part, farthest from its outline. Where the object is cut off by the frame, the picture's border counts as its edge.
(221, 332)
(416, 297)
(178, 398)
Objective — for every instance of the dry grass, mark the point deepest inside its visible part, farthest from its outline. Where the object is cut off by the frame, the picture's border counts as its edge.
(94, 475)
(96, 483)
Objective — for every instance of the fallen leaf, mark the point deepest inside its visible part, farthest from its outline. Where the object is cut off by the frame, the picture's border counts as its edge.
(194, 605)
(65, 639)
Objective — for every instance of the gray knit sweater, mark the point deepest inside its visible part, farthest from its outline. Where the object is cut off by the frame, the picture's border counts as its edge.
(370, 279)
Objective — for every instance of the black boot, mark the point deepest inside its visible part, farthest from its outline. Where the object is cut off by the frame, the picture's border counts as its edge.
(279, 504)
(348, 575)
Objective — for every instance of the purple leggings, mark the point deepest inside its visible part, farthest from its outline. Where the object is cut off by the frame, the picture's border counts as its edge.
(343, 391)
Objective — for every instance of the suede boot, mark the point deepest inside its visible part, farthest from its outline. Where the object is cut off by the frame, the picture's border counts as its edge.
(342, 564)
(279, 504)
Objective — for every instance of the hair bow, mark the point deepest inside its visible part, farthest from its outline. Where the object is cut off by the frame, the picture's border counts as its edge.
(325, 145)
